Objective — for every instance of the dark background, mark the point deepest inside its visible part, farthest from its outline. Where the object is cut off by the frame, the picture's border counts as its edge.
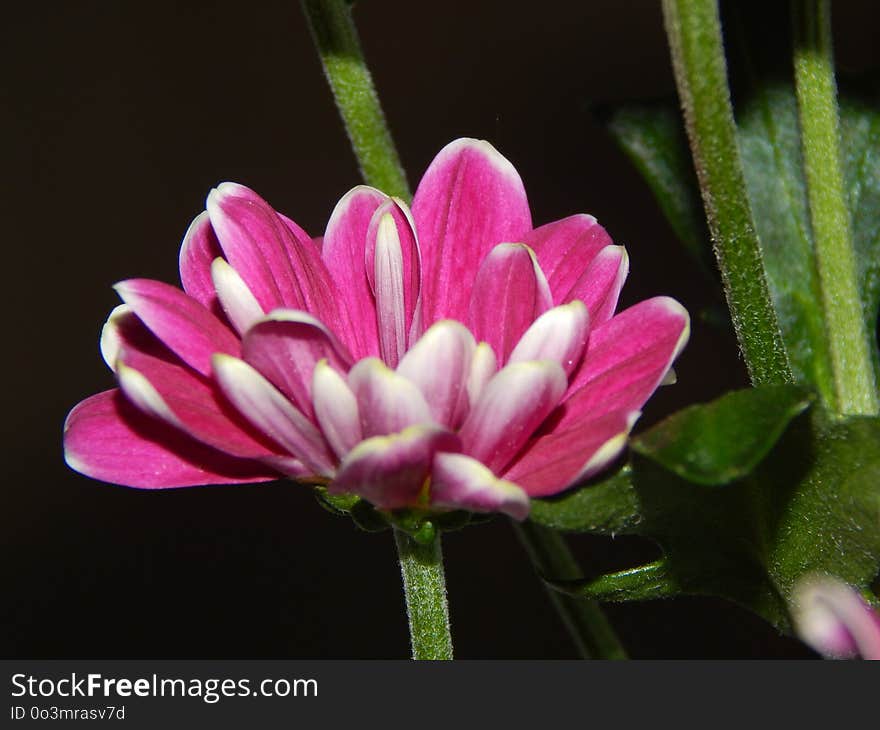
(117, 118)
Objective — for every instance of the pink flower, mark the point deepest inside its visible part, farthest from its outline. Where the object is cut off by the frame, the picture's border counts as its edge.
(835, 620)
(415, 358)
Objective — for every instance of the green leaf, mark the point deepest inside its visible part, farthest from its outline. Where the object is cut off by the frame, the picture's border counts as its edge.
(771, 151)
(860, 144)
(830, 521)
(812, 504)
(607, 506)
(653, 137)
(719, 442)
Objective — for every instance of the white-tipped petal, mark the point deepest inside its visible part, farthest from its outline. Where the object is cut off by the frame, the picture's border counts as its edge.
(439, 364)
(609, 450)
(336, 409)
(392, 471)
(141, 392)
(388, 402)
(460, 482)
(560, 334)
(513, 404)
(484, 365)
(390, 308)
(111, 340)
(237, 300)
(557, 460)
(269, 411)
(284, 347)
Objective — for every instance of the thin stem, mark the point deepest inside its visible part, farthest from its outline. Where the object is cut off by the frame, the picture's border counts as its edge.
(855, 390)
(584, 619)
(694, 31)
(336, 39)
(424, 585)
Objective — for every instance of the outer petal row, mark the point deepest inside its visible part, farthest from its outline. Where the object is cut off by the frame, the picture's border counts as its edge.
(108, 438)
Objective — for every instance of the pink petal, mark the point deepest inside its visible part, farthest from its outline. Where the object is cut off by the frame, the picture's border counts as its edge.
(280, 269)
(237, 301)
(176, 395)
(199, 249)
(509, 294)
(560, 334)
(183, 324)
(512, 406)
(391, 471)
(834, 620)
(565, 248)
(343, 253)
(555, 461)
(470, 199)
(107, 438)
(388, 402)
(269, 411)
(440, 364)
(284, 347)
(393, 266)
(336, 409)
(460, 482)
(124, 330)
(626, 360)
(599, 286)
(298, 232)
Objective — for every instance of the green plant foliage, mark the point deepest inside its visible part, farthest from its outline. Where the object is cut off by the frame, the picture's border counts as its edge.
(724, 440)
(771, 150)
(812, 504)
(860, 145)
(769, 142)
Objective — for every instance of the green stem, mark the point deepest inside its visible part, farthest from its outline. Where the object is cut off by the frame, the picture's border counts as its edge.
(855, 392)
(584, 619)
(424, 586)
(336, 39)
(694, 31)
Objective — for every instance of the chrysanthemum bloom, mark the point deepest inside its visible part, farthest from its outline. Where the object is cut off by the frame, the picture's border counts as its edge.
(445, 357)
(835, 620)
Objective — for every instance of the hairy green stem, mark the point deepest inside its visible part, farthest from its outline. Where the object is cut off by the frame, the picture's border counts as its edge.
(336, 39)
(424, 585)
(855, 390)
(694, 31)
(584, 619)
